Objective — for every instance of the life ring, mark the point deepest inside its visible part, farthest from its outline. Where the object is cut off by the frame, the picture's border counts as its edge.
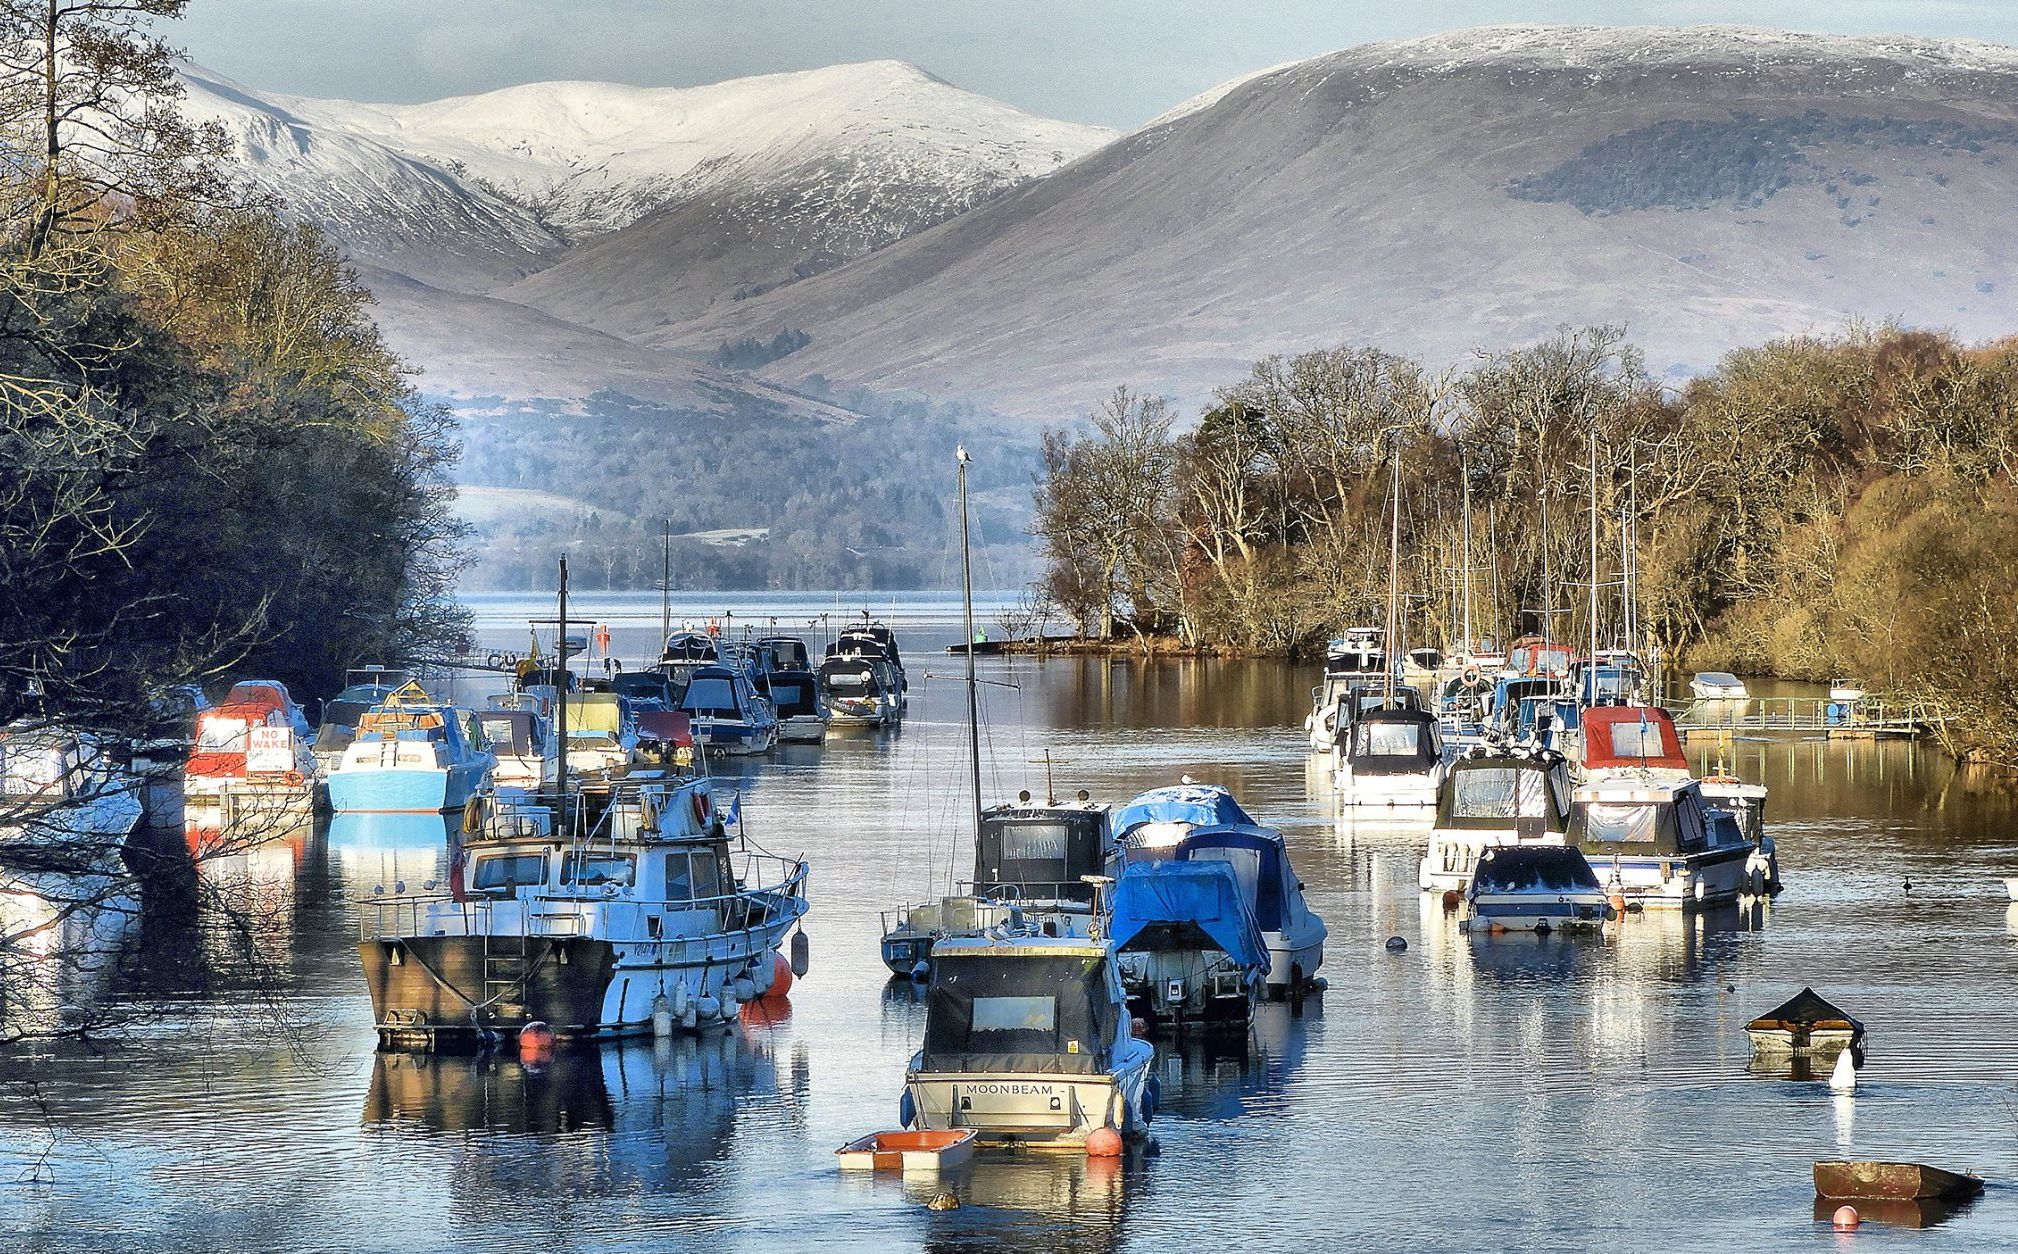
(700, 809)
(292, 777)
(494, 660)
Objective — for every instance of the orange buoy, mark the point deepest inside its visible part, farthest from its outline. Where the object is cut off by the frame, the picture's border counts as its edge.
(1451, 899)
(1103, 1143)
(536, 1042)
(1847, 1219)
(781, 978)
(1617, 901)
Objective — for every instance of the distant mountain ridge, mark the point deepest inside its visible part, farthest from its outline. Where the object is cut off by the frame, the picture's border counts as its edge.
(1707, 187)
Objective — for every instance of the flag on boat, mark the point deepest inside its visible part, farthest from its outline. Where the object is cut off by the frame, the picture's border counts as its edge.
(732, 814)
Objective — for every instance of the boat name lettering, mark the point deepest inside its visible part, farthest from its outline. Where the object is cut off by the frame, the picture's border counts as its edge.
(1020, 1090)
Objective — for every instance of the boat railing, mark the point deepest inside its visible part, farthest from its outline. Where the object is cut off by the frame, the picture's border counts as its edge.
(557, 915)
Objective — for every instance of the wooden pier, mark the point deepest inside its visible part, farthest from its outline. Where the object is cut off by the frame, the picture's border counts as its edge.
(1869, 719)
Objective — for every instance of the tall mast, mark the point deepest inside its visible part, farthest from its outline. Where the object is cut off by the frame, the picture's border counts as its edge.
(666, 589)
(967, 617)
(1393, 571)
(1591, 659)
(1464, 470)
(561, 691)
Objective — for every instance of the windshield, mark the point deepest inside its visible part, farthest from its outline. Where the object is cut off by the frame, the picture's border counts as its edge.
(1386, 740)
(593, 870)
(501, 873)
(1498, 793)
(1630, 823)
(711, 696)
(24, 772)
(222, 735)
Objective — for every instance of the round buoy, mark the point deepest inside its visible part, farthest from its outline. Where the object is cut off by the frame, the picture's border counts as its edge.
(1452, 898)
(943, 1201)
(1617, 901)
(781, 977)
(536, 1042)
(1103, 1143)
(1847, 1219)
(1395, 944)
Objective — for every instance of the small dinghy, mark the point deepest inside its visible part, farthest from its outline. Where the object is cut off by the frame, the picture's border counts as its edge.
(1805, 1025)
(931, 1150)
(1865, 1181)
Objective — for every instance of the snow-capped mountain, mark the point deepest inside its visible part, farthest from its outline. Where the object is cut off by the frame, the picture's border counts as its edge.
(381, 206)
(1706, 187)
(741, 186)
(594, 157)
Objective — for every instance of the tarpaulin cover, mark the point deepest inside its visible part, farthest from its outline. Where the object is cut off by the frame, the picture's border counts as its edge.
(1027, 1012)
(671, 727)
(1261, 860)
(1530, 868)
(1201, 805)
(1206, 894)
(1632, 735)
(1393, 742)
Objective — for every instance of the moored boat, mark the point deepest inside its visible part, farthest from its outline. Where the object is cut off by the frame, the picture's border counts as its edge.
(410, 754)
(522, 740)
(1533, 888)
(727, 713)
(1389, 757)
(645, 907)
(363, 688)
(252, 756)
(1493, 797)
(795, 699)
(1718, 686)
(1658, 842)
(859, 691)
(1027, 1043)
(1187, 942)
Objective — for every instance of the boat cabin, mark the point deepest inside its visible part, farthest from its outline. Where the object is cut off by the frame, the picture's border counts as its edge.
(1393, 742)
(1533, 869)
(1024, 1006)
(794, 694)
(1526, 794)
(1162, 817)
(719, 692)
(652, 689)
(1651, 817)
(1260, 862)
(1357, 652)
(689, 646)
(1616, 678)
(784, 653)
(874, 641)
(1043, 852)
(1632, 737)
(1534, 655)
(48, 765)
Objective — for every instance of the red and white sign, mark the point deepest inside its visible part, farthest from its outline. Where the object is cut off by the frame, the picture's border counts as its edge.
(269, 750)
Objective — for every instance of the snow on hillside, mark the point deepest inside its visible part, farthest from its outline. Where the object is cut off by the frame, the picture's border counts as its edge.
(593, 157)
(375, 203)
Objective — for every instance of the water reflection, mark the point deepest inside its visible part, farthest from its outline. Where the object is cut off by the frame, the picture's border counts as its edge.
(1065, 1203)
(592, 1122)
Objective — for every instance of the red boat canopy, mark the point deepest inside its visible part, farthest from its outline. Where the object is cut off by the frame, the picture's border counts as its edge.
(671, 727)
(1631, 735)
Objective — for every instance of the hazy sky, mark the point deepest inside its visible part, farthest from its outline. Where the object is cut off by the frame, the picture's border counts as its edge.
(1117, 62)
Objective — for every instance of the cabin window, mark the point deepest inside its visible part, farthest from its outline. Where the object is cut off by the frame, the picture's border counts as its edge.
(707, 877)
(593, 870)
(1035, 842)
(693, 877)
(222, 735)
(1015, 1014)
(1386, 740)
(1637, 740)
(1624, 824)
(1499, 794)
(716, 697)
(501, 873)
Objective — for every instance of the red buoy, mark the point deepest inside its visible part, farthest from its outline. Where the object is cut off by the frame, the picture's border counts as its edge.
(781, 978)
(536, 1042)
(1847, 1219)
(1103, 1143)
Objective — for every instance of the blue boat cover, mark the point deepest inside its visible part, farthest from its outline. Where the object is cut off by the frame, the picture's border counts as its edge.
(1201, 805)
(1204, 893)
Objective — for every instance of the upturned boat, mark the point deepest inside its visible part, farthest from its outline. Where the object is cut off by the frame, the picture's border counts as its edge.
(636, 913)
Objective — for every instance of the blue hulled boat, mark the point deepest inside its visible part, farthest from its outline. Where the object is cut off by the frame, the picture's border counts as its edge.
(411, 755)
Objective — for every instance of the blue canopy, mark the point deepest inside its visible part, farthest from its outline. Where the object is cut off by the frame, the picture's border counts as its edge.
(1206, 894)
(1201, 805)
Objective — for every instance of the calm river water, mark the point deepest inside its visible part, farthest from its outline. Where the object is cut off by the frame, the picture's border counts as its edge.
(1509, 1093)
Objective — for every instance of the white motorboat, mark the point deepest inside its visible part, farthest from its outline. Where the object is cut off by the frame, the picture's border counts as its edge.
(645, 908)
(1391, 757)
(1718, 686)
(1533, 888)
(1659, 842)
(522, 739)
(1494, 797)
(1028, 1043)
(1846, 691)
(253, 756)
(1358, 657)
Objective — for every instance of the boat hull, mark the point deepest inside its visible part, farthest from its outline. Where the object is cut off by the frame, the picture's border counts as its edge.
(1035, 1111)
(735, 738)
(1536, 912)
(433, 992)
(1681, 883)
(374, 790)
(802, 729)
(1388, 791)
(1861, 1181)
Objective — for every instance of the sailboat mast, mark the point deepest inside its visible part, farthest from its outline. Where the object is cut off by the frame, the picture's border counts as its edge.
(1464, 470)
(967, 617)
(666, 589)
(1592, 659)
(1393, 570)
(561, 693)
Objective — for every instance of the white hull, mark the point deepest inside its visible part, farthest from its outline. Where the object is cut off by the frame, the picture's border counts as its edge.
(1290, 958)
(1034, 1111)
(1453, 856)
(802, 729)
(1683, 883)
(1413, 790)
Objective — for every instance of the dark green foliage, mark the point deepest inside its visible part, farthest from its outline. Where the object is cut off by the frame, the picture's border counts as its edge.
(749, 353)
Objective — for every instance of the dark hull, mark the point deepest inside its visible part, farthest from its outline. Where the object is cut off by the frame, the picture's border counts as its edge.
(447, 992)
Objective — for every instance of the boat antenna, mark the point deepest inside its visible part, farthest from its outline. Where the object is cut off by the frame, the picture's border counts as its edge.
(666, 588)
(561, 695)
(1393, 571)
(1050, 789)
(967, 647)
